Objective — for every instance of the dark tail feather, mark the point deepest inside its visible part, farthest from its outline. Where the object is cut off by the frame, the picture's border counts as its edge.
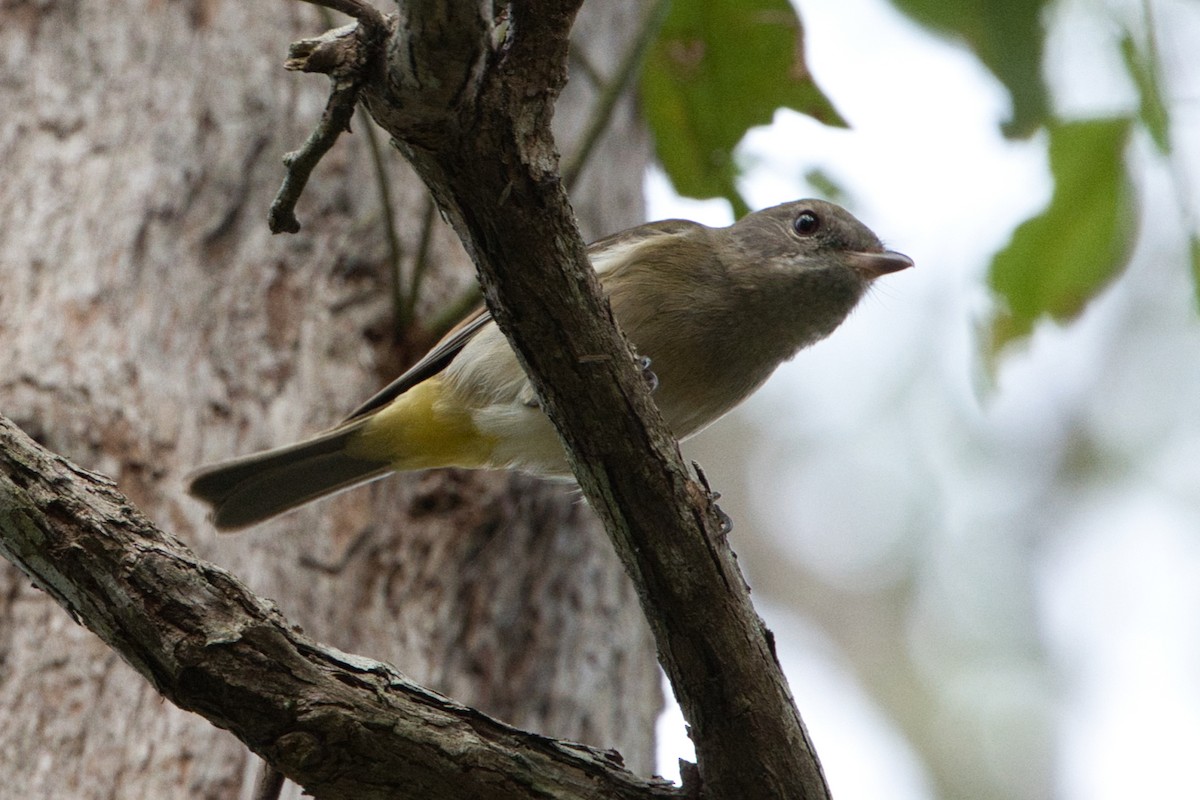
(253, 488)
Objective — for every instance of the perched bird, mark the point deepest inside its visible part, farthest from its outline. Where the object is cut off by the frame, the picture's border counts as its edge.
(714, 310)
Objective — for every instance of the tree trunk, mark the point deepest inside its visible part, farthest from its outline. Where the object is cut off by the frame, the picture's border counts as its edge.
(149, 323)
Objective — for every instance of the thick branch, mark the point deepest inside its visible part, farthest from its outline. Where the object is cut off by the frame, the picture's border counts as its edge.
(341, 726)
(491, 164)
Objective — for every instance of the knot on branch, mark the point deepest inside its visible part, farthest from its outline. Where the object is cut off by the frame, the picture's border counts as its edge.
(339, 53)
(346, 55)
(438, 61)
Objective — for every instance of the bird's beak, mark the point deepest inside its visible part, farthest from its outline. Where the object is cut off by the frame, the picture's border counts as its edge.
(872, 265)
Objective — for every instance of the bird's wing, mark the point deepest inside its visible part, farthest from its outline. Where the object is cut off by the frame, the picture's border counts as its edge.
(430, 364)
(613, 251)
(605, 254)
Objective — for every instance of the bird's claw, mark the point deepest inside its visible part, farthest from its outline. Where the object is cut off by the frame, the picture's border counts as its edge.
(726, 521)
(648, 375)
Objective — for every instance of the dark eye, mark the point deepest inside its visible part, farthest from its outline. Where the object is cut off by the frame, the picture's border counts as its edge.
(806, 223)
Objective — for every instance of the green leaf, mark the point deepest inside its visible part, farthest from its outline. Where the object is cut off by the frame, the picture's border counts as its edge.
(827, 186)
(718, 68)
(1194, 247)
(1143, 67)
(1008, 37)
(1061, 259)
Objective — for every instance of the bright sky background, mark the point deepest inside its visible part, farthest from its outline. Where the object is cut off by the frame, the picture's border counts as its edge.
(897, 401)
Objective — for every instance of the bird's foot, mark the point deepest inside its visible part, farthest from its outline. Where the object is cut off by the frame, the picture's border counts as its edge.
(726, 521)
(648, 375)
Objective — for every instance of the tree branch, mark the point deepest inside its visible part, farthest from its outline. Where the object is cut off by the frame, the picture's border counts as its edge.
(486, 151)
(341, 726)
(342, 53)
(362, 11)
(468, 98)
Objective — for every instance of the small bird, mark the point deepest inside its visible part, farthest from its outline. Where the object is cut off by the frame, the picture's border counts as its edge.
(712, 311)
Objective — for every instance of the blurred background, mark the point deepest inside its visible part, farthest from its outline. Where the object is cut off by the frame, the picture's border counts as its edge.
(972, 516)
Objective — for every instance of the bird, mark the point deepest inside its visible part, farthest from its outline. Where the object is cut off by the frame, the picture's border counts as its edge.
(712, 311)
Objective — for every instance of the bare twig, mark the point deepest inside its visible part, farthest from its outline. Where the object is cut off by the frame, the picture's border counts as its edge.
(395, 249)
(343, 54)
(582, 63)
(420, 260)
(612, 91)
(269, 782)
(300, 163)
(453, 312)
(365, 13)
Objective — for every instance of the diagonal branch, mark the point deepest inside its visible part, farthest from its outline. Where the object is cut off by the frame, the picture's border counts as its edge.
(486, 152)
(341, 726)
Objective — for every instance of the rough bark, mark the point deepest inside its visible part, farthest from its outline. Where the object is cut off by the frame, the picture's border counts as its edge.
(342, 726)
(471, 114)
(149, 323)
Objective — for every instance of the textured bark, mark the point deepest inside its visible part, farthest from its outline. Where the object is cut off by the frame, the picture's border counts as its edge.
(344, 727)
(149, 323)
(472, 118)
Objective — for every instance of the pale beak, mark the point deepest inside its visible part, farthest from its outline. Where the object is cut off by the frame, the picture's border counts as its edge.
(872, 265)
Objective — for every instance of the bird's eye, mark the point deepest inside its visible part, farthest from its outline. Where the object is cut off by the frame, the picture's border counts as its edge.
(806, 223)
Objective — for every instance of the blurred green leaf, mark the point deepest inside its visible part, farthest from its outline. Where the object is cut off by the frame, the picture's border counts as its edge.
(826, 186)
(1152, 110)
(1194, 246)
(719, 68)
(1061, 259)
(1008, 38)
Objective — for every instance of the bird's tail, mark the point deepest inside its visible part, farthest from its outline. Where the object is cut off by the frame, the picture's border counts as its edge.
(248, 490)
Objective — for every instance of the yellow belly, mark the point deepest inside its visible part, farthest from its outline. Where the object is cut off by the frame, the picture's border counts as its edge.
(424, 428)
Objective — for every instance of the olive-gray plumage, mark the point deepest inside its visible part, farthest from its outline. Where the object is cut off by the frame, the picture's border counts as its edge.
(716, 310)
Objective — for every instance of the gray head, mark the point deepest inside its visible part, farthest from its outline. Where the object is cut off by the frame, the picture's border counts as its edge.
(810, 232)
(802, 267)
